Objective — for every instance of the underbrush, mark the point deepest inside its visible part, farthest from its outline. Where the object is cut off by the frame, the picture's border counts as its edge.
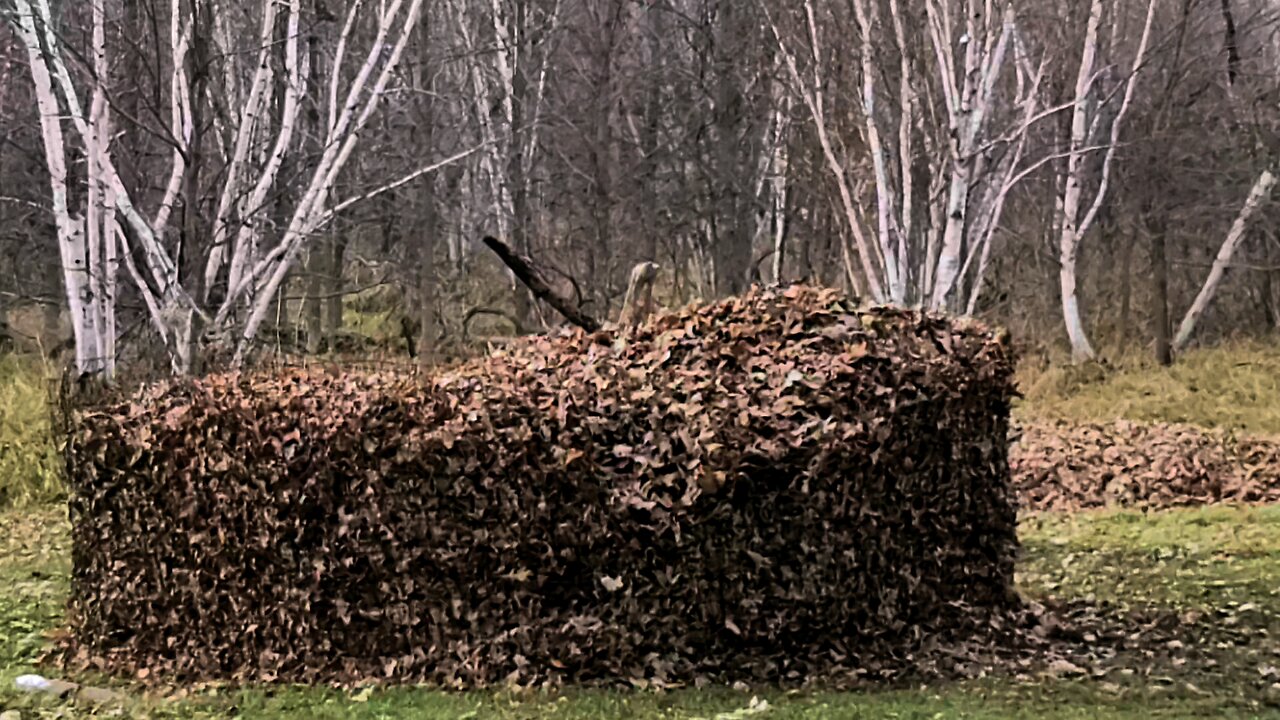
(1232, 387)
(29, 463)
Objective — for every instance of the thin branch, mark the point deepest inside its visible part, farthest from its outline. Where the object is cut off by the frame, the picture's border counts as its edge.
(28, 203)
(338, 208)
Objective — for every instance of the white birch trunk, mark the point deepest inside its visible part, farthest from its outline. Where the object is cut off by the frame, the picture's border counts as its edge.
(179, 115)
(814, 100)
(496, 159)
(906, 151)
(160, 265)
(92, 252)
(993, 205)
(1069, 241)
(968, 109)
(781, 170)
(71, 240)
(244, 243)
(231, 199)
(311, 209)
(1258, 196)
(1073, 227)
(879, 163)
(100, 222)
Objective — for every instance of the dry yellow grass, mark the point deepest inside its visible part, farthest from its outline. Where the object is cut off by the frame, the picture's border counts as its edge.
(29, 463)
(1234, 387)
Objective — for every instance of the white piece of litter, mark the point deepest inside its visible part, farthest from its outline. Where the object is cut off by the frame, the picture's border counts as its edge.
(32, 683)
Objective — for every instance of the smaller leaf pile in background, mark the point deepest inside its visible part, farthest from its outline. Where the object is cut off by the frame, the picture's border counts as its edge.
(1072, 466)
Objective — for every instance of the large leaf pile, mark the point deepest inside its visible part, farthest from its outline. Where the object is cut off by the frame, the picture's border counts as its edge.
(776, 487)
(1072, 466)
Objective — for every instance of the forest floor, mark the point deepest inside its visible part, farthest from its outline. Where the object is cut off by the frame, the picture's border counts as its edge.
(1213, 569)
(1206, 581)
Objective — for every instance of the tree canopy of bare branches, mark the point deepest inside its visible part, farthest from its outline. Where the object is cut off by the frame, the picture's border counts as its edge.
(198, 178)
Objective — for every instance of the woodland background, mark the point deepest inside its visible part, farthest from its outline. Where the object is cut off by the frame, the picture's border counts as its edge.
(186, 182)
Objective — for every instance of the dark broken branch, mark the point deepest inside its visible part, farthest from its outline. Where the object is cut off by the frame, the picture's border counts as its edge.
(536, 281)
(475, 312)
(1230, 43)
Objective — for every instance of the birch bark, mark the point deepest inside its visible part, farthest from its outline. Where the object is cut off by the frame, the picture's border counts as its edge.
(1258, 196)
(1073, 226)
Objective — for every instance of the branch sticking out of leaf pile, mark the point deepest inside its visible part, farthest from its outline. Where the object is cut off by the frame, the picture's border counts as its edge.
(532, 276)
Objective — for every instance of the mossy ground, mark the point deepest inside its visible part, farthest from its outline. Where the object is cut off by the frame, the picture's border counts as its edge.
(1219, 562)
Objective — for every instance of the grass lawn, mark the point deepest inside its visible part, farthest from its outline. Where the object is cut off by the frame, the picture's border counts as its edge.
(1217, 568)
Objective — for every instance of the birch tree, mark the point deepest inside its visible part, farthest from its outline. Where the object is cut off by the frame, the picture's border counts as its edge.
(959, 63)
(508, 46)
(247, 261)
(1258, 196)
(1085, 128)
(86, 252)
(811, 87)
(968, 101)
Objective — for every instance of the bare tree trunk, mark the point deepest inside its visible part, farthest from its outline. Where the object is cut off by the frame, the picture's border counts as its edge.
(314, 273)
(814, 97)
(193, 237)
(732, 243)
(1069, 243)
(71, 231)
(268, 274)
(1231, 43)
(1258, 195)
(1160, 294)
(100, 214)
(428, 286)
(333, 299)
(1126, 291)
(781, 212)
(650, 135)
(515, 95)
(886, 227)
(1074, 225)
(968, 106)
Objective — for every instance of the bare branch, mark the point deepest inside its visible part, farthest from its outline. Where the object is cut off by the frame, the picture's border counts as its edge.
(532, 277)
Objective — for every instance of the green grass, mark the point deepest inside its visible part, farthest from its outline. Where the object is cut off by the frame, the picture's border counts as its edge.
(1233, 387)
(1218, 561)
(29, 464)
(1205, 559)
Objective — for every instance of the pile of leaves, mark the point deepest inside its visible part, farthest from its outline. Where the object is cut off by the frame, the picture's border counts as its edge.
(777, 487)
(1073, 466)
